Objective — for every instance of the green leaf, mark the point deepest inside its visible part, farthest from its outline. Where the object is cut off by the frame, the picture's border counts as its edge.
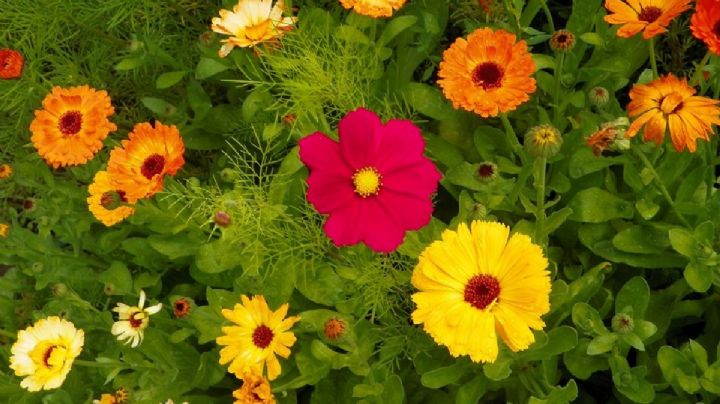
(559, 340)
(633, 340)
(671, 360)
(683, 242)
(698, 276)
(631, 382)
(636, 294)
(393, 391)
(498, 370)
(350, 34)
(641, 240)
(429, 101)
(218, 256)
(595, 205)
(593, 39)
(119, 277)
(587, 319)
(199, 100)
(601, 344)
(208, 67)
(465, 175)
(129, 63)
(169, 79)
(699, 354)
(556, 219)
(580, 364)
(705, 232)
(559, 395)
(396, 26)
(175, 246)
(472, 391)
(645, 329)
(158, 106)
(543, 61)
(444, 376)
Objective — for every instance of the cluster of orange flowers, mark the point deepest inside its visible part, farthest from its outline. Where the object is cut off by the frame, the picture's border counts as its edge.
(70, 129)
(490, 73)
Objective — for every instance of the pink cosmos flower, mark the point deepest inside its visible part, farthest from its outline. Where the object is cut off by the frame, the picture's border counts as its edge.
(375, 183)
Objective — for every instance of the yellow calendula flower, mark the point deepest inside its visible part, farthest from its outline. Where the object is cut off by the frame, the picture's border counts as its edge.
(44, 353)
(479, 282)
(251, 22)
(255, 390)
(373, 8)
(259, 334)
(133, 320)
(4, 230)
(5, 171)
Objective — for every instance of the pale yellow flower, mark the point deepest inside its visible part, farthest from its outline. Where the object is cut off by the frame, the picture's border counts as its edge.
(133, 320)
(251, 22)
(44, 353)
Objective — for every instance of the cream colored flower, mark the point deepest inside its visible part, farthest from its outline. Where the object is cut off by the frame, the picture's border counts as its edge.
(44, 352)
(132, 320)
(250, 23)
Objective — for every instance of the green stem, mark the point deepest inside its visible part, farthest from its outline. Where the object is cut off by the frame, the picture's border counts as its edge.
(653, 60)
(93, 364)
(512, 137)
(661, 186)
(699, 69)
(540, 173)
(558, 85)
(548, 15)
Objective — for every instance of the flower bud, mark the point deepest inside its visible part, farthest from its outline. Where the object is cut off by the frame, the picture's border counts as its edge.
(487, 171)
(229, 175)
(334, 328)
(622, 323)
(543, 141)
(222, 219)
(182, 307)
(599, 96)
(562, 41)
(59, 289)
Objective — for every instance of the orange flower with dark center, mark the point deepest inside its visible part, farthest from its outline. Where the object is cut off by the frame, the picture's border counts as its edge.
(72, 125)
(489, 73)
(11, 64)
(140, 165)
(5, 171)
(705, 24)
(669, 102)
(649, 16)
(562, 40)
(106, 202)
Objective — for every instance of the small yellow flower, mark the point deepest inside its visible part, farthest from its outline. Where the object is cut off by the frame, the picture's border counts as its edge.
(106, 399)
(44, 353)
(133, 320)
(259, 334)
(4, 230)
(480, 282)
(251, 22)
(255, 390)
(5, 171)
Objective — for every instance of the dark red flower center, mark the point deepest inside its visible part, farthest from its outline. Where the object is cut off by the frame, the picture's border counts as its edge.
(482, 290)
(136, 319)
(716, 29)
(47, 355)
(649, 14)
(112, 199)
(487, 75)
(70, 123)
(486, 170)
(152, 166)
(262, 336)
(182, 307)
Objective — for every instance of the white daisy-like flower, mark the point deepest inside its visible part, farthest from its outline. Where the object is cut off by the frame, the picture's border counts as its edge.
(132, 320)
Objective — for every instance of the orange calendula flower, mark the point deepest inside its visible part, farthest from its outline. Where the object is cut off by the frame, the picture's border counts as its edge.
(4, 230)
(489, 73)
(251, 22)
(11, 64)
(72, 125)
(373, 8)
(255, 390)
(649, 16)
(149, 153)
(5, 171)
(106, 202)
(705, 24)
(670, 102)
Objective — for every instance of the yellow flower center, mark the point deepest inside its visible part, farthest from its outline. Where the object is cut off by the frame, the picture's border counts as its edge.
(49, 355)
(671, 103)
(367, 181)
(137, 319)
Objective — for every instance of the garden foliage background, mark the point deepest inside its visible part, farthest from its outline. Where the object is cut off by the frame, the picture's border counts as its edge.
(629, 234)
